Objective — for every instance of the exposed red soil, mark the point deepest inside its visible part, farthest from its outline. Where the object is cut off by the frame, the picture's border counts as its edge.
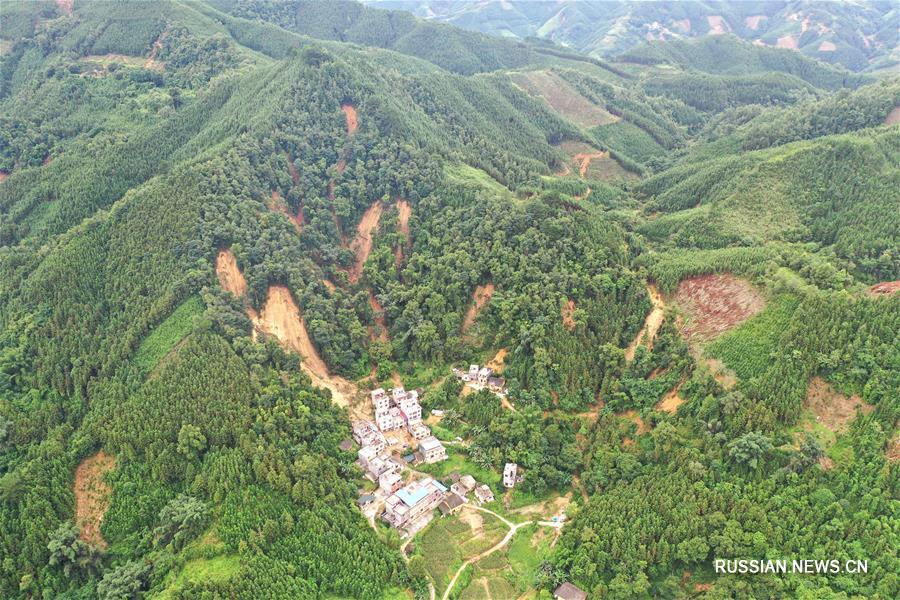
(684, 25)
(329, 284)
(831, 408)
(717, 25)
(281, 319)
(716, 303)
(788, 41)
(498, 363)
(3, 175)
(230, 277)
(632, 416)
(480, 297)
(725, 376)
(341, 165)
(584, 160)
(651, 324)
(404, 212)
(568, 319)
(672, 400)
(47, 160)
(350, 117)
(382, 334)
(362, 243)
(152, 63)
(892, 452)
(885, 288)
(92, 496)
(893, 116)
(276, 203)
(827, 46)
(753, 22)
(65, 6)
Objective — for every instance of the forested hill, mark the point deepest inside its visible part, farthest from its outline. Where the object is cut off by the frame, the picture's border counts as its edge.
(856, 35)
(223, 223)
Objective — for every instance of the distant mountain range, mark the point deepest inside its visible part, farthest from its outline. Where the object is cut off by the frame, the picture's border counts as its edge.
(858, 35)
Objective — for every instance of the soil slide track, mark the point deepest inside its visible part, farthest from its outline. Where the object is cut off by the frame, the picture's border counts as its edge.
(230, 277)
(92, 496)
(350, 117)
(404, 212)
(480, 297)
(568, 312)
(833, 409)
(281, 319)
(65, 6)
(3, 175)
(893, 117)
(885, 288)
(379, 319)
(672, 400)
(362, 243)
(651, 324)
(716, 303)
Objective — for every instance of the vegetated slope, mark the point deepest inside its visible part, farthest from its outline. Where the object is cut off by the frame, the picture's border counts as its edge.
(839, 192)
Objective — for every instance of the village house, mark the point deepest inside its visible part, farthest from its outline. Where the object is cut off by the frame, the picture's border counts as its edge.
(465, 485)
(483, 375)
(451, 504)
(509, 474)
(366, 434)
(483, 494)
(390, 482)
(432, 450)
(478, 378)
(380, 399)
(419, 431)
(412, 506)
(567, 591)
(365, 501)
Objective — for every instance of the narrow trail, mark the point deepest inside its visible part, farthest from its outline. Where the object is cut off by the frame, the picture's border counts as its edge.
(651, 323)
(513, 528)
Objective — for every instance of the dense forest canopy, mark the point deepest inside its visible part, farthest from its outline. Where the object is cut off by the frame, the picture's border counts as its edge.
(222, 224)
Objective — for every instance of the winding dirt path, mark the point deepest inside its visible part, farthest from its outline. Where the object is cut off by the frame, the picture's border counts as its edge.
(651, 323)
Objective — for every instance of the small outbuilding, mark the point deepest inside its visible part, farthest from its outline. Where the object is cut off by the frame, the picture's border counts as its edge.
(567, 591)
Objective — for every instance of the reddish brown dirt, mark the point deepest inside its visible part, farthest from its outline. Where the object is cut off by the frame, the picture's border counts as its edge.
(3, 176)
(340, 166)
(292, 169)
(92, 496)
(404, 212)
(230, 277)
(362, 243)
(885, 288)
(65, 6)
(827, 46)
(584, 160)
(788, 41)
(152, 63)
(671, 401)
(716, 303)
(753, 22)
(568, 312)
(725, 376)
(684, 25)
(893, 117)
(717, 25)
(350, 117)
(651, 324)
(480, 297)
(329, 284)
(632, 415)
(498, 363)
(833, 409)
(277, 204)
(892, 452)
(281, 319)
(592, 163)
(379, 319)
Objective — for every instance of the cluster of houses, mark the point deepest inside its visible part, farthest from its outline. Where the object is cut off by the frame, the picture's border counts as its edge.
(479, 378)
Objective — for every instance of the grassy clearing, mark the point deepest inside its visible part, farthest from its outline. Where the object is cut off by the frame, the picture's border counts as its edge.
(471, 177)
(219, 568)
(171, 331)
(746, 349)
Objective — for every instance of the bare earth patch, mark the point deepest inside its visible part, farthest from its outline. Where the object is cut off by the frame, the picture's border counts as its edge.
(568, 310)
(277, 204)
(651, 323)
(831, 408)
(788, 41)
(754, 21)
(671, 401)
(563, 98)
(362, 243)
(404, 212)
(281, 319)
(591, 162)
(725, 376)
(350, 117)
(3, 176)
(497, 364)
(382, 333)
(632, 416)
(827, 46)
(893, 116)
(893, 448)
(716, 303)
(65, 6)
(717, 25)
(92, 496)
(480, 297)
(230, 277)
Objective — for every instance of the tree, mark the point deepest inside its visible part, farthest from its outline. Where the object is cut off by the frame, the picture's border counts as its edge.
(191, 441)
(183, 517)
(70, 552)
(750, 449)
(125, 582)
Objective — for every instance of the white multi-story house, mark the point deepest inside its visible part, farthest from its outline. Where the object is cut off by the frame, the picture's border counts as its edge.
(413, 502)
(419, 431)
(390, 482)
(483, 494)
(509, 474)
(411, 410)
(432, 450)
(380, 399)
